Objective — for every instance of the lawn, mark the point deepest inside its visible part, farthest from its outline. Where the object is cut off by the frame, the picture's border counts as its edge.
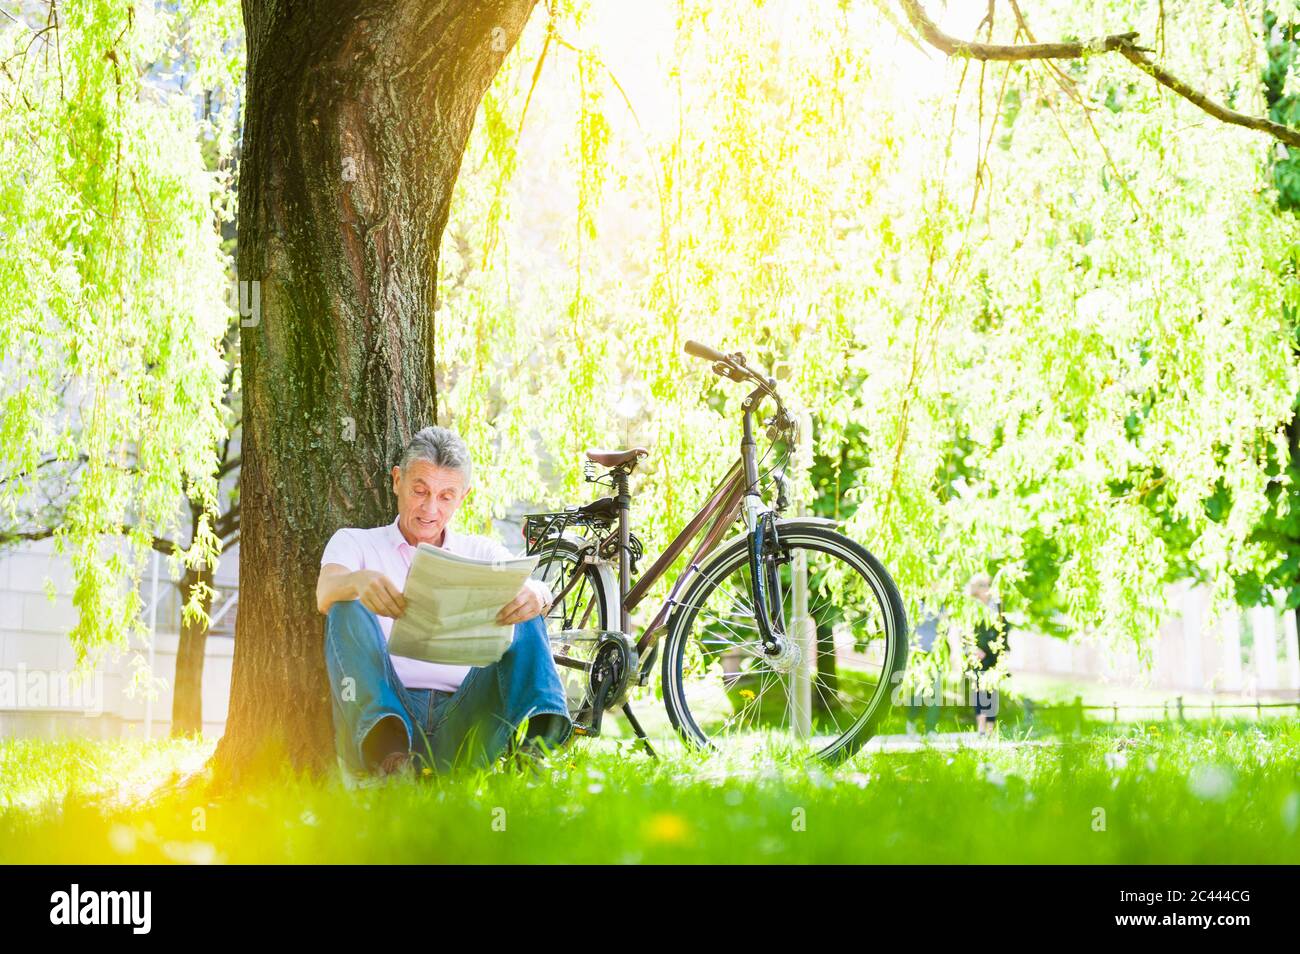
(1139, 793)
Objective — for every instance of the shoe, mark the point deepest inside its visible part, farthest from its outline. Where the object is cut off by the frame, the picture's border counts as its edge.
(396, 763)
(530, 757)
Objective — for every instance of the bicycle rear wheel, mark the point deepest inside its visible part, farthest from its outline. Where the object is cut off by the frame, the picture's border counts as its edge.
(581, 609)
(830, 685)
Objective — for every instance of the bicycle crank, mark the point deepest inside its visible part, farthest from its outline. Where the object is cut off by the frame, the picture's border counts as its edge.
(613, 669)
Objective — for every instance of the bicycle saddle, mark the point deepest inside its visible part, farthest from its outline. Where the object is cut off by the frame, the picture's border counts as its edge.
(612, 458)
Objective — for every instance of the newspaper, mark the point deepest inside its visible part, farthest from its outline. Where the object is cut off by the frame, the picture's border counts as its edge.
(451, 606)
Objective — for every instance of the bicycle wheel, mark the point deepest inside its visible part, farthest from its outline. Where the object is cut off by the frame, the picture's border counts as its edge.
(577, 613)
(829, 686)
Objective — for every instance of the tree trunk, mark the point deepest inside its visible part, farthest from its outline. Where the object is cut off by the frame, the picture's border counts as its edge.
(827, 676)
(356, 120)
(1293, 442)
(187, 687)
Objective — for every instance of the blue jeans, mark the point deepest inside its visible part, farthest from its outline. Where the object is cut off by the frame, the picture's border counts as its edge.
(470, 727)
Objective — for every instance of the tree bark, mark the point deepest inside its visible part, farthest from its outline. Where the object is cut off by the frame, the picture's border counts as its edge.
(356, 120)
(187, 687)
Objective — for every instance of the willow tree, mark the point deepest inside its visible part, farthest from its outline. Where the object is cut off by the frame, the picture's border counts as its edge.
(357, 117)
(1029, 261)
(114, 304)
(1163, 389)
(1009, 250)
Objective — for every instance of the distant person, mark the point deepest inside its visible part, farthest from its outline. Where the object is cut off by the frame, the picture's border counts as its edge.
(990, 644)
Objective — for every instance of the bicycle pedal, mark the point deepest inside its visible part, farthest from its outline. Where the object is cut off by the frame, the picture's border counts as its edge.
(580, 729)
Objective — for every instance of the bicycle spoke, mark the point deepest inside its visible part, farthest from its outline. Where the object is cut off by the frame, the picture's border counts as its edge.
(756, 702)
(749, 610)
(729, 628)
(577, 597)
(580, 604)
(830, 709)
(727, 675)
(737, 646)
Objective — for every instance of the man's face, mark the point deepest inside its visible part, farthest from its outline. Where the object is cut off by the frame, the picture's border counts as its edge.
(427, 498)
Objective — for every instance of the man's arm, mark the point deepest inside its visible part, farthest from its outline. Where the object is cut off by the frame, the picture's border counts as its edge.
(343, 577)
(376, 592)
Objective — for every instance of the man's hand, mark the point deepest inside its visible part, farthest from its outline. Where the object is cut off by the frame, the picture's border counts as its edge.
(378, 594)
(529, 603)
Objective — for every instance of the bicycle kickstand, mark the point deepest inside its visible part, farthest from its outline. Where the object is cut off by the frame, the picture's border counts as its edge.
(640, 732)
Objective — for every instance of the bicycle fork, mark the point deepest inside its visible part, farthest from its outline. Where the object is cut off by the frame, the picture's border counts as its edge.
(764, 576)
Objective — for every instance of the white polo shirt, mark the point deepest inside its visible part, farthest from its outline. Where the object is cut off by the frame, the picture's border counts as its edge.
(386, 550)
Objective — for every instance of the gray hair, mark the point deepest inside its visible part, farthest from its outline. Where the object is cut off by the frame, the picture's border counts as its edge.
(441, 447)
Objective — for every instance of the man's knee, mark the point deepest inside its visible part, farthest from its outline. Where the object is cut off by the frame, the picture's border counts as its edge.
(349, 614)
(350, 622)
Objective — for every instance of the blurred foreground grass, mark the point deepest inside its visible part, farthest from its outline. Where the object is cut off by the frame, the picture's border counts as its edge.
(1155, 793)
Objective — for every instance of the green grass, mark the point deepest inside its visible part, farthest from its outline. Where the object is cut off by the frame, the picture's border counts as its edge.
(1192, 793)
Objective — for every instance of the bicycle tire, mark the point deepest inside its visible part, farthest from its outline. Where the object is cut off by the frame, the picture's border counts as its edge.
(568, 554)
(733, 556)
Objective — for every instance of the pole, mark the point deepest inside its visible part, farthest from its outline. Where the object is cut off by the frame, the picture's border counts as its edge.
(803, 628)
(153, 643)
(801, 675)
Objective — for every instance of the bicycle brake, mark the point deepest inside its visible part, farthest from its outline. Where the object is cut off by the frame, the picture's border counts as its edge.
(782, 500)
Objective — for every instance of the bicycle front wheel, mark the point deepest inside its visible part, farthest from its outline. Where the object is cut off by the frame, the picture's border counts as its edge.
(843, 648)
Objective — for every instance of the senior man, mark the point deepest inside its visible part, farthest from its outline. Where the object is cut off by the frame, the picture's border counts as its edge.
(394, 714)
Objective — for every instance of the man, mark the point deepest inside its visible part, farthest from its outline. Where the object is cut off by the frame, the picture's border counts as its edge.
(990, 642)
(394, 714)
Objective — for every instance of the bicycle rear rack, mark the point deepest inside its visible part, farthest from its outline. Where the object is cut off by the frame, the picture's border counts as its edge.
(599, 515)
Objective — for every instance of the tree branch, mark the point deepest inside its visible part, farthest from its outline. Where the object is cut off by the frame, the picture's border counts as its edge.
(1122, 43)
(1166, 79)
(43, 463)
(27, 536)
(227, 523)
(1012, 51)
(228, 465)
(10, 537)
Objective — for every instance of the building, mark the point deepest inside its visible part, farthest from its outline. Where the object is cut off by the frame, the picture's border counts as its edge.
(1245, 656)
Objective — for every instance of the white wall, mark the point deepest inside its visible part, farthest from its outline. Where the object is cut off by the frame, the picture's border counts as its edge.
(1244, 654)
(35, 654)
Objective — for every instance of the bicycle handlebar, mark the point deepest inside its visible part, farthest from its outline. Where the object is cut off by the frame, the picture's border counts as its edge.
(697, 350)
(733, 366)
(730, 366)
(727, 365)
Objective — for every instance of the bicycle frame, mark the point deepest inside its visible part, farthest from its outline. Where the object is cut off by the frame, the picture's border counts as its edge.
(621, 659)
(738, 486)
(721, 508)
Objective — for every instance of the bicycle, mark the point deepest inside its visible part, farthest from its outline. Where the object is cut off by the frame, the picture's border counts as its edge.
(835, 669)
